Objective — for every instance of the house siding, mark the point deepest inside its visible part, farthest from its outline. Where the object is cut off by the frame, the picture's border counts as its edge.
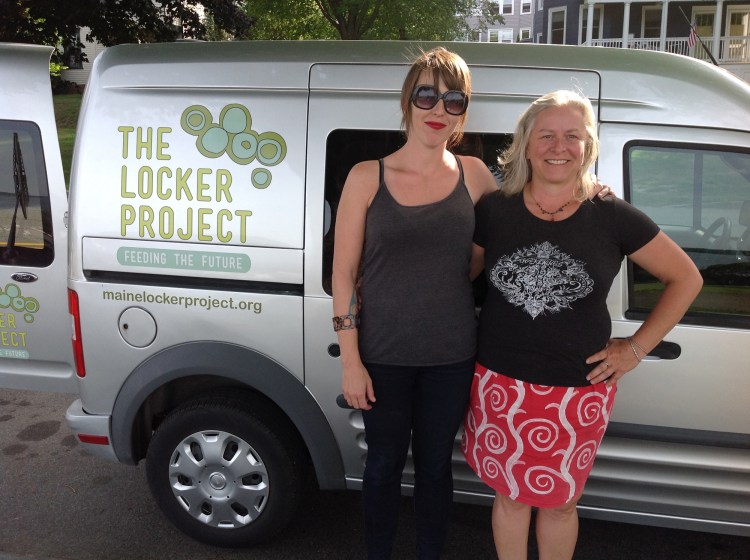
(80, 76)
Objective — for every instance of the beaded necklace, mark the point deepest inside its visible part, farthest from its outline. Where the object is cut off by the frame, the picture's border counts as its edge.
(547, 213)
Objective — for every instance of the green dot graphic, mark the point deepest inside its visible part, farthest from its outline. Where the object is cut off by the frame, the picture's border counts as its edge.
(215, 140)
(261, 178)
(234, 121)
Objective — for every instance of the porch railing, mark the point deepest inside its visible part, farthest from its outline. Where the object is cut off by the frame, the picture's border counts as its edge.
(731, 48)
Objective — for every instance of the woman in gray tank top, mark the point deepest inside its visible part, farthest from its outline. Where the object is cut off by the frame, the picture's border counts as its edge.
(404, 234)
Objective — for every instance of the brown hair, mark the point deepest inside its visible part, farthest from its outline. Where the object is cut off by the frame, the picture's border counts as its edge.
(443, 65)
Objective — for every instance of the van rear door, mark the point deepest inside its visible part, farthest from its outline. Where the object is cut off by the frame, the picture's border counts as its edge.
(35, 348)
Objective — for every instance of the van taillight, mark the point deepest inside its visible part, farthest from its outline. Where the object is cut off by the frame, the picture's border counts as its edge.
(77, 341)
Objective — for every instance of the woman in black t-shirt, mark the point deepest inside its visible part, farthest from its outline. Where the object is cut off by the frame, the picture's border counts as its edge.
(547, 369)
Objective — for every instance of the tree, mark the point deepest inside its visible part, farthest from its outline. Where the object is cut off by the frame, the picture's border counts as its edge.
(369, 19)
(56, 22)
(442, 21)
(351, 18)
(288, 19)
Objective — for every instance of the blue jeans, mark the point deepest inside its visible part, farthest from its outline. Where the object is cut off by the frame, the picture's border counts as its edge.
(424, 406)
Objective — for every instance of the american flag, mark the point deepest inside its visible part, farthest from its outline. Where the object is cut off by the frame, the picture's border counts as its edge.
(693, 37)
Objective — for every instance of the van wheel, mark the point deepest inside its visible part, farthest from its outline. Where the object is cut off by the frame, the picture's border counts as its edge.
(221, 473)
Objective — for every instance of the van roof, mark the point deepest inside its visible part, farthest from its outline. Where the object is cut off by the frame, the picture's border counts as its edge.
(635, 85)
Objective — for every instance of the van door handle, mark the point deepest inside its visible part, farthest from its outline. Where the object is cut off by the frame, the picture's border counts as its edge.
(665, 351)
(24, 277)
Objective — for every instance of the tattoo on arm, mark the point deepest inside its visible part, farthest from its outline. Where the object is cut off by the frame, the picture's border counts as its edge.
(354, 302)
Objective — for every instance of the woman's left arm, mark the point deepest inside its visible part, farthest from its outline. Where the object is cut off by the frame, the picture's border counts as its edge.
(665, 260)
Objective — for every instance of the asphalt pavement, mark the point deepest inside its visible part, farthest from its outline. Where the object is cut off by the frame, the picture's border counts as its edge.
(60, 503)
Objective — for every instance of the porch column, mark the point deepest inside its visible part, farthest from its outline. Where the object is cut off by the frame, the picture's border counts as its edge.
(716, 46)
(625, 24)
(663, 32)
(590, 22)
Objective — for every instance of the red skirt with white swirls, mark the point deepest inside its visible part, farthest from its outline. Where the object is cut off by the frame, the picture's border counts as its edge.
(533, 443)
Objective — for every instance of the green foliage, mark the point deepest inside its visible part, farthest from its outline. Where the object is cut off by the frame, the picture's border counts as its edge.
(55, 73)
(439, 20)
(288, 19)
(56, 68)
(66, 117)
(352, 19)
(56, 23)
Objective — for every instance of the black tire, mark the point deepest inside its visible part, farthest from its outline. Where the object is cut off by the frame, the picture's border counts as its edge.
(225, 474)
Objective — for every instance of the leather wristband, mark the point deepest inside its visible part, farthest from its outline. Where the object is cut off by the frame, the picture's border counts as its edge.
(345, 322)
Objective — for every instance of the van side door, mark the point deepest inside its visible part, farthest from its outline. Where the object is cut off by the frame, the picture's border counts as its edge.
(354, 116)
(695, 184)
(35, 347)
(684, 409)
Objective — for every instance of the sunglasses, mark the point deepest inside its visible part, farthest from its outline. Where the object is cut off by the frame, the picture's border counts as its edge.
(426, 97)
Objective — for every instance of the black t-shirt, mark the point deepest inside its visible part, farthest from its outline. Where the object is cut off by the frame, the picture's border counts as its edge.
(546, 308)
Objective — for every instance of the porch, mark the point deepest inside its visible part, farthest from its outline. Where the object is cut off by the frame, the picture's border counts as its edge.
(722, 28)
(730, 49)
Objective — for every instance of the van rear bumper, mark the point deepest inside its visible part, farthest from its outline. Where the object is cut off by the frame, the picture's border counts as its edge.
(91, 431)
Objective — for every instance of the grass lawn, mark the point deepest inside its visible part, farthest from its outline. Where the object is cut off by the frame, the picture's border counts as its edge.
(66, 115)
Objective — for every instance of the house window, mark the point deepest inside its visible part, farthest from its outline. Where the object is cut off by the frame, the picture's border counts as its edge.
(525, 6)
(739, 21)
(540, 7)
(736, 47)
(504, 35)
(651, 23)
(704, 27)
(524, 35)
(507, 7)
(706, 211)
(72, 53)
(704, 23)
(584, 19)
(556, 32)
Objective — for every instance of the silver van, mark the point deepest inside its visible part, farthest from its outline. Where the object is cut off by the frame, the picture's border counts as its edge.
(192, 261)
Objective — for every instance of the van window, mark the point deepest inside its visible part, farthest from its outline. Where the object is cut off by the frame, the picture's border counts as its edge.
(25, 215)
(345, 148)
(700, 197)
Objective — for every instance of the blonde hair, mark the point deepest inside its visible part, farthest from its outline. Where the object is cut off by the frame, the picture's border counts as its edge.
(443, 65)
(517, 171)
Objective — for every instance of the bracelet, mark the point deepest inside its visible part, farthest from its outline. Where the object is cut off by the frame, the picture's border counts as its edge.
(632, 347)
(638, 346)
(345, 322)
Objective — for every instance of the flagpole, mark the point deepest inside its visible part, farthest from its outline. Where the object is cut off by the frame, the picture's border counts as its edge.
(705, 48)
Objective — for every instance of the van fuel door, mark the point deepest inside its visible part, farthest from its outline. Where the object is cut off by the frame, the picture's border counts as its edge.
(137, 327)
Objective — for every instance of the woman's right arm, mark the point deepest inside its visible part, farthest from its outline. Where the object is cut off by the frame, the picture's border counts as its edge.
(359, 189)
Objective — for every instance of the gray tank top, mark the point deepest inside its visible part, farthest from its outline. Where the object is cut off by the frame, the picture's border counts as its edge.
(417, 300)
